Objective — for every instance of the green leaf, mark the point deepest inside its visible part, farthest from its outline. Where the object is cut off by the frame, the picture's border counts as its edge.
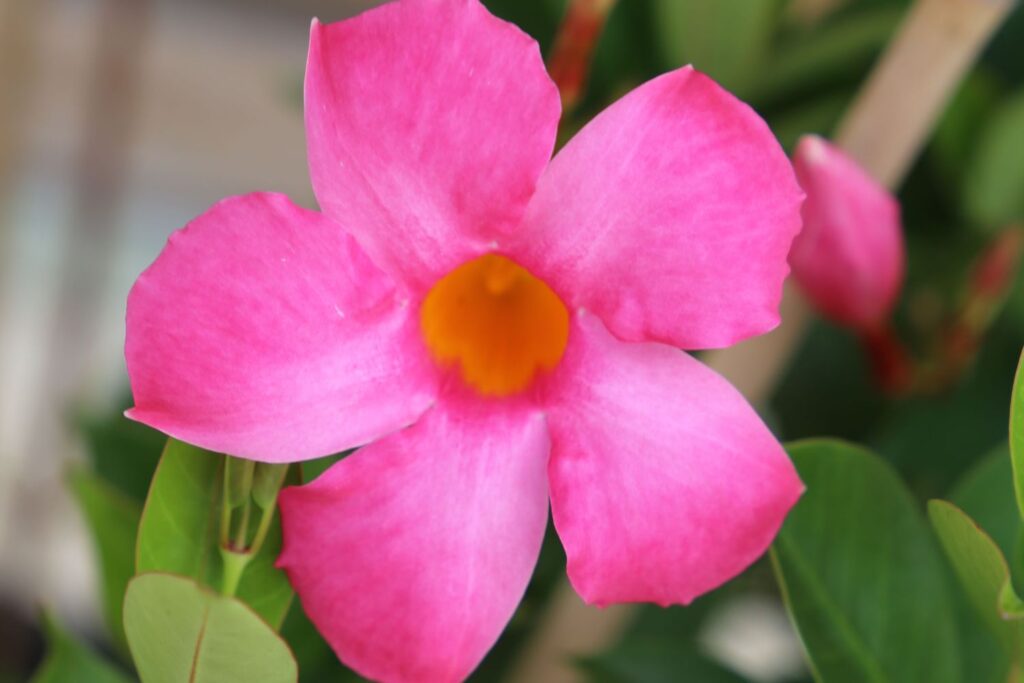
(726, 39)
(861, 576)
(1017, 434)
(994, 180)
(113, 520)
(180, 632)
(122, 452)
(70, 662)
(179, 531)
(982, 571)
(311, 469)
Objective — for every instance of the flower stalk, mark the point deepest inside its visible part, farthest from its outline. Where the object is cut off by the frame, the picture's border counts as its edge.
(246, 483)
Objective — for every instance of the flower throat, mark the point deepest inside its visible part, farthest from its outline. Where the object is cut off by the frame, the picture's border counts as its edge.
(497, 322)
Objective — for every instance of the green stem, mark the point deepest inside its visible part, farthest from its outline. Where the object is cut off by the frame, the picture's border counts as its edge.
(242, 534)
(234, 566)
(266, 518)
(225, 511)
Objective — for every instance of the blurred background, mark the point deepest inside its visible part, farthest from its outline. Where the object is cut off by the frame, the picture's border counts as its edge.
(120, 120)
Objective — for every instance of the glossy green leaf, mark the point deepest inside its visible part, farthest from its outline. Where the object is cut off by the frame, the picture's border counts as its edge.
(983, 572)
(726, 39)
(1017, 434)
(179, 531)
(68, 661)
(994, 180)
(113, 520)
(180, 632)
(862, 578)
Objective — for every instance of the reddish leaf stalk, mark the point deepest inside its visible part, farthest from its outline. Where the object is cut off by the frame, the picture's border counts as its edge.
(893, 368)
(569, 61)
(987, 288)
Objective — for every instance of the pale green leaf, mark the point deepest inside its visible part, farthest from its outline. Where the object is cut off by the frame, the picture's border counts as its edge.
(983, 572)
(180, 632)
(1017, 435)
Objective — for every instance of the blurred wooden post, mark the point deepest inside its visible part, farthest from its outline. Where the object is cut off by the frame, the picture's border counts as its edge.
(19, 23)
(884, 129)
(898, 106)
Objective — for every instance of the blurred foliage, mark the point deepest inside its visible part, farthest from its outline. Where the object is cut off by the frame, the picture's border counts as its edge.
(113, 519)
(800, 75)
(69, 661)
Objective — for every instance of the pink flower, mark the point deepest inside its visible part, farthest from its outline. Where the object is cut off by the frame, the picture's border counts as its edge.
(848, 258)
(498, 328)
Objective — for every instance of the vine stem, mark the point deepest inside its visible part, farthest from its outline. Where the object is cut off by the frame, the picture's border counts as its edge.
(884, 129)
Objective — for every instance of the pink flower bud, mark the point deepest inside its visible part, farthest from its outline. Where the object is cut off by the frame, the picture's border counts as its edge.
(849, 257)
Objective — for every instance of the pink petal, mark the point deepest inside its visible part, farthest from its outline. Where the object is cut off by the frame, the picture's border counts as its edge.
(411, 555)
(849, 257)
(664, 481)
(428, 124)
(669, 216)
(263, 331)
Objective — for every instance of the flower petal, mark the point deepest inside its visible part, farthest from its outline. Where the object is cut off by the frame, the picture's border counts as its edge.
(428, 124)
(669, 215)
(263, 331)
(411, 555)
(848, 259)
(664, 481)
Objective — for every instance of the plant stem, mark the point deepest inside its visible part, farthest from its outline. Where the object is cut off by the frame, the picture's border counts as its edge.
(225, 510)
(234, 566)
(241, 536)
(266, 519)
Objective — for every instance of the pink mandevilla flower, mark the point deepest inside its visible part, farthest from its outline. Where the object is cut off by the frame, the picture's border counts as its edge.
(848, 258)
(501, 329)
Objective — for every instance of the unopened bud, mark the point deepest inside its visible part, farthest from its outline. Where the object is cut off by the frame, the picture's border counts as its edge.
(849, 257)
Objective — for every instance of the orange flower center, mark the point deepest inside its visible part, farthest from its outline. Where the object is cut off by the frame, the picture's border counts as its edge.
(495, 320)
